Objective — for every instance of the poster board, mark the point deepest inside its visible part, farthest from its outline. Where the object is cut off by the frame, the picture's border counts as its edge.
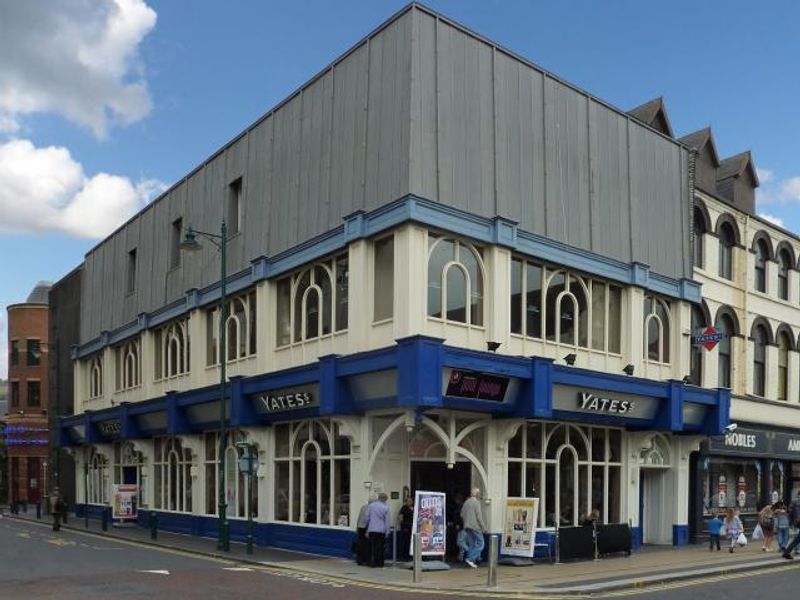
(125, 501)
(429, 522)
(519, 527)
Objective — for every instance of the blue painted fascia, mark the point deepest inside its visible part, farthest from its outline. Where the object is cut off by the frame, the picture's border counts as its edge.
(242, 411)
(537, 397)
(91, 435)
(295, 376)
(129, 430)
(367, 361)
(148, 406)
(177, 423)
(719, 416)
(485, 362)
(419, 366)
(501, 409)
(670, 413)
(576, 376)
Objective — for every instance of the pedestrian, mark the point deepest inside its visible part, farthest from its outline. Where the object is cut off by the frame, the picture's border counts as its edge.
(59, 508)
(714, 527)
(378, 520)
(794, 516)
(472, 515)
(733, 527)
(406, 517)
(781, 524)
(766, 520)
(362, 543)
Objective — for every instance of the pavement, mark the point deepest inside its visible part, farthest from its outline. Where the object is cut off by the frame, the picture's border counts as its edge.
(650, 567)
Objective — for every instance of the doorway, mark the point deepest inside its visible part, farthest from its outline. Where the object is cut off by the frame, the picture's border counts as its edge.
(653, 510)
(455, 483)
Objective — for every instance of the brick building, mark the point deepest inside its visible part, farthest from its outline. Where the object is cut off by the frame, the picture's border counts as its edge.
(26, 418)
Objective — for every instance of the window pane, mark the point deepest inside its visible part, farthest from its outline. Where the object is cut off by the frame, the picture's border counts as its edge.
(467, 258)
(34, 353)
(515, 479)
(533, 474)
(384, 279)
(251, 325)
(663, 314)
(533, 443)
(342, 292)
(312, 315)
(442, 253)
(515, 444)
(582, 321)
(341, 492)
(283, 304)
(567, 317)
(554, 288)
(323, 280)
(614, 318)
(282, 491)
(302, 286)
(456, 293)
(533, 301)
(516, 296)
(598, 315)
(653, 339)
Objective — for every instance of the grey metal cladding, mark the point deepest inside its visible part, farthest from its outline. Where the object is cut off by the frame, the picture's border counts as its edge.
(420, 106)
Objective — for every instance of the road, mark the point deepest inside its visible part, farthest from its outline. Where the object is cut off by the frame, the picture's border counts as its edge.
(71, 565)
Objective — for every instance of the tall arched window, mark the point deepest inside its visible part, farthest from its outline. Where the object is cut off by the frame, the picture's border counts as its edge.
(96, 377)
(784, 264)
(240, 329)
(238, 495)
(761, 258)
(313, 303)
(695, 350)
(783, 366)
(567, 309)
(96, 478)
(699, 233)
(760, 339)
(725, 326)
(172, 349)
(129, 468)
(656, 329)
(172, 478)
(455, 281)
(727, 241)
(128, 366)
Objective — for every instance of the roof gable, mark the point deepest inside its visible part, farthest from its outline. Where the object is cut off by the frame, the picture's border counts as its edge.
(734, 166)
(698, 140)
(653, 114)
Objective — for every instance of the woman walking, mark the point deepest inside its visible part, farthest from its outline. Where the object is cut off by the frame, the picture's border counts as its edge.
(733, 527)
(766, 519)
(781, 516)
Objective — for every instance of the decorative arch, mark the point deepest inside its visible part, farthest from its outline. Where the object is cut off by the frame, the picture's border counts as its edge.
(727, 311)
(727, 220)
(784, 330)
(763, 322)
(704, 310)
(762, 237)
(784, 247)
(700, 210)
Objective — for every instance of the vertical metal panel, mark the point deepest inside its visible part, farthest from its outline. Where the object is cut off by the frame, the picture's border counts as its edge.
(258, 188)
(424, 166)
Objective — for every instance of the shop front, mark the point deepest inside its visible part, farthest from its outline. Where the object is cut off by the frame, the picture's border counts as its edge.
(743, 470)
(419, 415)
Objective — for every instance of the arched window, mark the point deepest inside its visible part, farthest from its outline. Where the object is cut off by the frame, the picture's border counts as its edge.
(455, 281)
(567, 309)
(573, 469)
(240, 329)
(128, 366)
(783, 366)
(699, 233)
(129, 468)
(695, 350)
(784, 264)
(656, 329)
(725, 326)
(238, 495)
(727, 241)
(314, 302)
(312, 473)
(96, 477)
(96, 377)
(760, 339)
(172, 349)
(172, 485)
(761, 258)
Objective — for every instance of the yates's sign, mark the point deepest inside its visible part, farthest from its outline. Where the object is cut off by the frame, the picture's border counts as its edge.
(594, 403)
(286, 399)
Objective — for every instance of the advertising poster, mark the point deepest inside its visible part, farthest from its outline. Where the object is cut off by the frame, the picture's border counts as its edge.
(125, 500)
(519, 526)
(429, 522)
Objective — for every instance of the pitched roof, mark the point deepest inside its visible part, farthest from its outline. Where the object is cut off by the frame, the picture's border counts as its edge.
(733, 166)
(649, 114)
(699, 139)
(39, 294)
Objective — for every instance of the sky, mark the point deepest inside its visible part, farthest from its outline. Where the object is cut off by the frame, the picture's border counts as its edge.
(105, 103)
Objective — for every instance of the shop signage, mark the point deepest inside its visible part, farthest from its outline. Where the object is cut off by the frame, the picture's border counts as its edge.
(286, 399)
(429, 522)
(786, 445)
(124, 497)
(477, 386)
(574, 399)
(594, 403)
(519, 526)
(741, 441)
(708, 338)
(110, 429)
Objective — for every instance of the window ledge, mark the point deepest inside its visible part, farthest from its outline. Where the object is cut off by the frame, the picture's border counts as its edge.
(382, 321)
(456, 323)
(235, 361)
(327, 336)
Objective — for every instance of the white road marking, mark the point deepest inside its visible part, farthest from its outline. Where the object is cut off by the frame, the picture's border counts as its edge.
(155, 571)
(236, 569)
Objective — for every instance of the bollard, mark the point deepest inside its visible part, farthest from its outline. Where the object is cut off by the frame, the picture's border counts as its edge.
(491, 576)
(417, 558)
(153, 526)
(225, 544)
(39, 510)
(104, 519)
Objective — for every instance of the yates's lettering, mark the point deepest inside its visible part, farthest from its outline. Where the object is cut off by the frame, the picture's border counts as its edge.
(594, 403)
(268, 403)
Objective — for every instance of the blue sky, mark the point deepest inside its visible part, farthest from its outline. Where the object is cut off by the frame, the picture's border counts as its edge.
(101, 109)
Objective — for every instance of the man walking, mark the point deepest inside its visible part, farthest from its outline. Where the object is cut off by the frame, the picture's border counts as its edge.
(472, 516)
(362, 544)
(794, 514)
(378, 520)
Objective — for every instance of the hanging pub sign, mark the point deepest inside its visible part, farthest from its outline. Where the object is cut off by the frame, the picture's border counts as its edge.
(286, 399)
(708, 338)
(475, 386)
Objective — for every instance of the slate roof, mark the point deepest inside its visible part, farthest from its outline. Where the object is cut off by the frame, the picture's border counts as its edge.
(699, 139)
(40, 293)
(735, 165)
(649, 112)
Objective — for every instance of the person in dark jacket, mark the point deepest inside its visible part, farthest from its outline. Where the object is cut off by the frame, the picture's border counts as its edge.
(794, 515)
(406, 517)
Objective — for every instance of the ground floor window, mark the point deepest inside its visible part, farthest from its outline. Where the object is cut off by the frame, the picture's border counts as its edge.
(172, 478)
(573, 469)
(312, 473)
(237, 485)
(97, 478)
(129, 469)
(731, 483)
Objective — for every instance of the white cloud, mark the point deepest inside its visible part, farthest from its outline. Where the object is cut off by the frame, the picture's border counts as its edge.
(46, 189)
(790, 189)
(78, 58)
(772, 219)
(765, 175)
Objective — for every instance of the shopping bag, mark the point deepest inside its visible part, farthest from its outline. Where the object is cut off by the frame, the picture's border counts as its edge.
(742, 541)
(758, 533)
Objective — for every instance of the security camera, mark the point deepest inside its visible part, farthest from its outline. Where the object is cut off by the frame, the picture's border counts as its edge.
(730, 428)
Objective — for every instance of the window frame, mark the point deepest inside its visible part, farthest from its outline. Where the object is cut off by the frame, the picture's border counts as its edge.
(473, 310)
(664, 329)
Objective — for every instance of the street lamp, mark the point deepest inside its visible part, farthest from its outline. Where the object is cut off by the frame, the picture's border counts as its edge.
(247, 467)
(190, 244)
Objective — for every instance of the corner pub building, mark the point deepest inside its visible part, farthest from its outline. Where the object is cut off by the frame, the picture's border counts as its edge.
(418, 237)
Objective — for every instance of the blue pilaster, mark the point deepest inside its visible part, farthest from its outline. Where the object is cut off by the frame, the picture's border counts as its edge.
(419, 377)
(542, 387)
(128, 428)
(177, 423)
(242, 411)
(680, 535)
(329, 388)
(91, 435)
(670, 415)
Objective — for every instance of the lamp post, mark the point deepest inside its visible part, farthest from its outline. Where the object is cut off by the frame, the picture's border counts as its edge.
(247, 467)
(191, 244)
